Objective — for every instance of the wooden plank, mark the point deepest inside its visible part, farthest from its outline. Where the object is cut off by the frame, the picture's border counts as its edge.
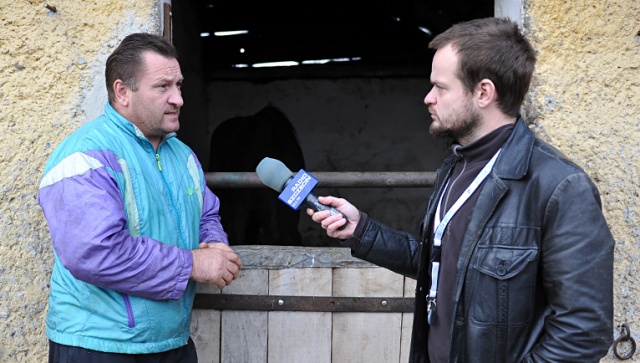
(300, 336)
(244, 337)
(407, 321)
(300, 282)
(367, 337)
(409, 287)
(405, 339)
(231, 336)
(244, 334)
(167, 32)
(367, 282)
(249, 282)
(205, 332)
(207, 289)
(205, 328)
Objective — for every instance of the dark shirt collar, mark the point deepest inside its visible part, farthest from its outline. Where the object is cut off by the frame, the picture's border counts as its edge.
(485, 147)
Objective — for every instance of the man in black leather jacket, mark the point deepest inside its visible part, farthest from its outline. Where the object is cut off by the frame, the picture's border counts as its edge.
(514, 258)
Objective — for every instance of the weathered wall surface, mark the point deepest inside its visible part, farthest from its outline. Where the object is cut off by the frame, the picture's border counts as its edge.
(586, 100)
(51, 81)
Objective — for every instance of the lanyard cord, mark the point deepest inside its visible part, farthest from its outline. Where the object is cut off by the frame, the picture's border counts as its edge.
(440, 226)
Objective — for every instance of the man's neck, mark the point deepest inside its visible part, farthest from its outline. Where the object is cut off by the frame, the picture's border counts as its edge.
(488, 125)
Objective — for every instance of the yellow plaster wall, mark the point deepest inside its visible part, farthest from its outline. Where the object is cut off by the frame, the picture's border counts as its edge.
(586, 100)
(51, 67)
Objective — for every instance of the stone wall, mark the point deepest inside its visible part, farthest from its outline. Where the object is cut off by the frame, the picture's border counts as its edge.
(584, 100)
(51, 81)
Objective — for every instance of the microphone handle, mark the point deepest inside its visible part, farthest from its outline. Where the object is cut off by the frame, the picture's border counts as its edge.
(312, 202)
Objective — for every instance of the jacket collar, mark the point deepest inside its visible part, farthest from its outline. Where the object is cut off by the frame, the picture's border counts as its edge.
(513, 162)
(483, 149)
(129, 128)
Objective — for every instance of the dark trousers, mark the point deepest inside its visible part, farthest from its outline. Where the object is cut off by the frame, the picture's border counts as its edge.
(59, 353)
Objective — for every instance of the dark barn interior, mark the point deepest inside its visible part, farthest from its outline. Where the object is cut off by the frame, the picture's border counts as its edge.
(378, 33)
(353, 90)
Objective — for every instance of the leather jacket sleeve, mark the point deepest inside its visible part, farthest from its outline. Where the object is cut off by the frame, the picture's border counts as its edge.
(576, 274)
(381, 245)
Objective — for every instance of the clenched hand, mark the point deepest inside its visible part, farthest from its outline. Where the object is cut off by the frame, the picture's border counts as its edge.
(215, 263)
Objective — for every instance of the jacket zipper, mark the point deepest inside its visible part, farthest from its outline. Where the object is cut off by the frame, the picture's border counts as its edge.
(127, 305)
(185, 308)
(173, 204)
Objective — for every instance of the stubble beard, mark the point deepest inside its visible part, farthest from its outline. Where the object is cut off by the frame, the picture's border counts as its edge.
(162, 127)
(456, 126)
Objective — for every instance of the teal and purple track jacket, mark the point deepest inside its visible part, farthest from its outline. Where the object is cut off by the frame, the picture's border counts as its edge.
(123, 219)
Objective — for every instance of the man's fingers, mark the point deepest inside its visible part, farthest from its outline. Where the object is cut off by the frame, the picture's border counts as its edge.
(216, 264)
(320, 216)
(229, 252)
(235, 272)
(219, 245)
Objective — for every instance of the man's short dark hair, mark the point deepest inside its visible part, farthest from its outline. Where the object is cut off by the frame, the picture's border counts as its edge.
(126, 60)
(494, 49)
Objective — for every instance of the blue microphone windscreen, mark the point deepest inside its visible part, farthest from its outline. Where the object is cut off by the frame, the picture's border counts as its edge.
(273, 173)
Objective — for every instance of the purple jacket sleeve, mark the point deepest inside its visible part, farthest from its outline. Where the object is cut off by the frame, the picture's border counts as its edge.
(88, 228)
(210, 227)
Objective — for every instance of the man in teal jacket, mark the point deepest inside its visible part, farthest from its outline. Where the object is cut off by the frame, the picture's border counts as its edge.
(132, 221)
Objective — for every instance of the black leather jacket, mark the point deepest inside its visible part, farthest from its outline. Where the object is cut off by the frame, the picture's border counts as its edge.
(535, 272)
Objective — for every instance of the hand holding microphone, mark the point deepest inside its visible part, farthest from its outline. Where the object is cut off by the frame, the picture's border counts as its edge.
(337, 227)
(295, 189)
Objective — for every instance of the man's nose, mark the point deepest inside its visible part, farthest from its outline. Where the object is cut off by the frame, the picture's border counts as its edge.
(176, 98)
(430, 98)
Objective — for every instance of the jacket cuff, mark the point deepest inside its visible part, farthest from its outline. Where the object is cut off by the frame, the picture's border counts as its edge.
(358, 233)
(185, 273)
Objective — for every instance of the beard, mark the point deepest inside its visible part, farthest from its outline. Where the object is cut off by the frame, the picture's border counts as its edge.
(457, 125)
(156, 124)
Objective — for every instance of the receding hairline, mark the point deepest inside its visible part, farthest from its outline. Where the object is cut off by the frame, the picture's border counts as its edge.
(144, 66)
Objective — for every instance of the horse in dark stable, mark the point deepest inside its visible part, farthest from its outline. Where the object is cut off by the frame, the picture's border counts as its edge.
(256, 215)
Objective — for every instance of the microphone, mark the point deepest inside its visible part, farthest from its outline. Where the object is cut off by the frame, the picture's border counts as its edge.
(294, 190)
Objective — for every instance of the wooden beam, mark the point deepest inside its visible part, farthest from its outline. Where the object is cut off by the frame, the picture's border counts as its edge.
(167, 32)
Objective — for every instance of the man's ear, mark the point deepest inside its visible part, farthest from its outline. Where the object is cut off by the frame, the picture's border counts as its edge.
(122, 93)
(486, 92)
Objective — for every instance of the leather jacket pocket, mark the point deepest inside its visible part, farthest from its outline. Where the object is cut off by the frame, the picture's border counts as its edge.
(505, 285)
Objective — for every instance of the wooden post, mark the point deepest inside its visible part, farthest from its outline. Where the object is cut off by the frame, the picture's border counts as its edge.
(167, 32)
